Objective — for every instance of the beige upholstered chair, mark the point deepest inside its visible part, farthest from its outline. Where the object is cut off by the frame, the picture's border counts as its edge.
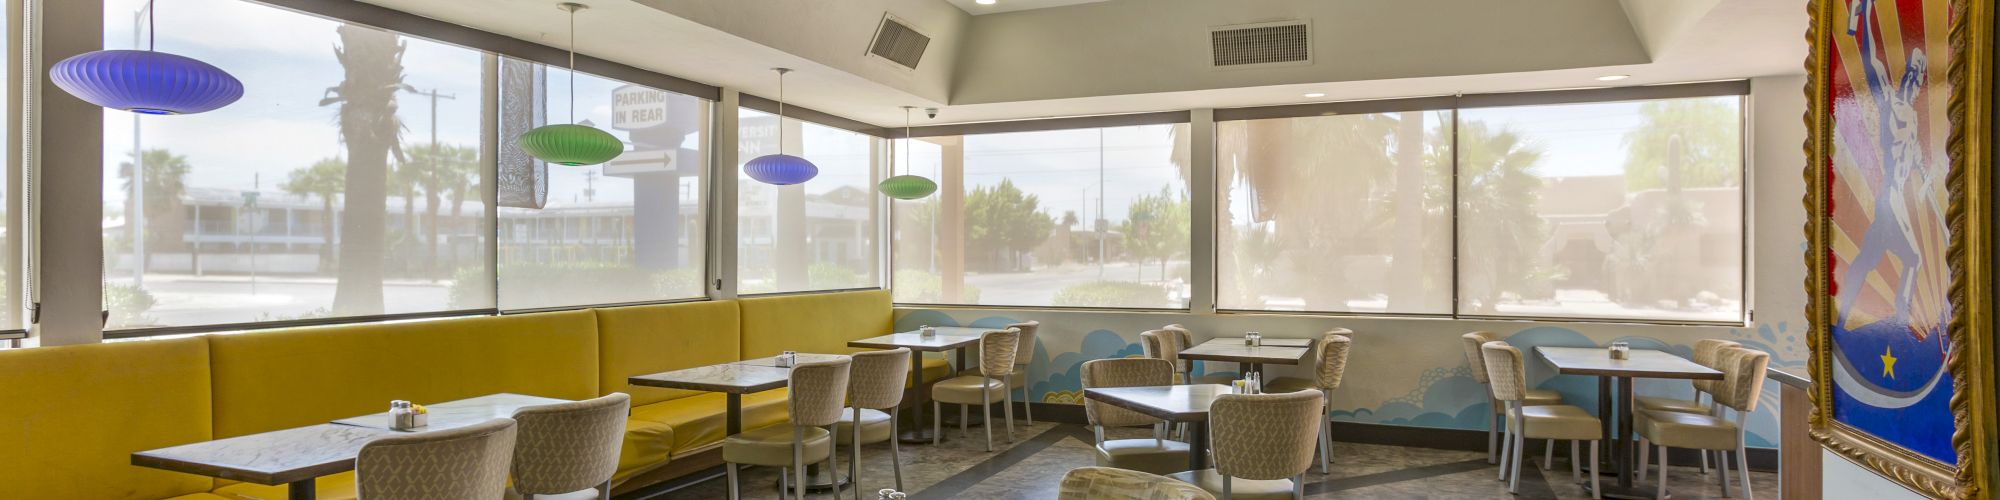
(1262, 445)
(1327, 371)
(464, 462)
(818, 392)
(569, 447)
(996, 363)
(1534, 397)
(1706, 352)
(1184, 339)
(874, 392)
(1155, 455)
(1508, 380)
(1742, 383)
(1106, 483)
(1024, 354)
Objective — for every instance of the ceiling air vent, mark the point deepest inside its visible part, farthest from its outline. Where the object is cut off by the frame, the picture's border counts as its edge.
(1282, 43)
(899, 43)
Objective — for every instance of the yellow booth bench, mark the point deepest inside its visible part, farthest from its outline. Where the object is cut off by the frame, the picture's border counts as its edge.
(70, 417)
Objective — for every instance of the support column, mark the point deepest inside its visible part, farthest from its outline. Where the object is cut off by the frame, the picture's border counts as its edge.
(721, 189)
(67, 200)
(951, 217)
(1202, 223)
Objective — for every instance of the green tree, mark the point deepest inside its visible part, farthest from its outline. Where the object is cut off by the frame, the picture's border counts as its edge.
(1702, 136)
(326, 179)
(442, 172)
(166, 184)
(372, 64)
(1156, 227)
(1004, 221)
(1496, 180)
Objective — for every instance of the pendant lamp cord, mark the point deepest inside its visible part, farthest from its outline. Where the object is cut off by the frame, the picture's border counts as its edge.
(572, 65)
(907, 167)
(781, 110)
(151, 8)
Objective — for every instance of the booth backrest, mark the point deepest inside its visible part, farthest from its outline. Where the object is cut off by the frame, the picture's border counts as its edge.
(70, 418)
(821, 322)
(277, 380)
(639, 340)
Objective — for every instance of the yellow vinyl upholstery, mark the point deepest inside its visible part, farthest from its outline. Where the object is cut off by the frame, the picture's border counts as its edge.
(820, 322)
(71, 417)
(640, 340)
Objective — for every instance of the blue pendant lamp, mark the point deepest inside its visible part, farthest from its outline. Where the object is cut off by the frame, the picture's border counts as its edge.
(571, 144)
(906, 186)
(146, 82)
(781, 169)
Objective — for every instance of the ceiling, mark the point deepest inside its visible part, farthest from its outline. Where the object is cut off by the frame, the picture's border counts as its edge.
(973, 7)
(1034, 62)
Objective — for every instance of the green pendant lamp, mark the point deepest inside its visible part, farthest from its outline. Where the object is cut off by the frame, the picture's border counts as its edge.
(906, 186)
(567, 143)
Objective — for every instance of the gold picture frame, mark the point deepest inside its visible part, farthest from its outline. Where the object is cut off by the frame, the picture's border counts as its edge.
(1968, 334)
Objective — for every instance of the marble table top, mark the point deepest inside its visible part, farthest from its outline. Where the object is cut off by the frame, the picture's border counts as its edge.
(1641, 363)
(735, 377)
(1266, 354)
(945, 340)
(804, 357)
(460, 413)
(1177, 403)
(276, 457)
(1268, 341)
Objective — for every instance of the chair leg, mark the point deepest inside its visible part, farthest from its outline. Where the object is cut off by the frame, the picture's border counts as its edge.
(799, 461)
(985, 411)
(1493, 440)
(965, 419)
(1704, 462)
(1722, 464)
(854, 460)
(1514, 479)
(1007, 407)
(1575, 466)
(1326, 446)
(1742, 467)
(733, 493)
(1225, 489)
(937, 422)
(1645, 459)
(784, 482)
(1663, 473)
(1299, 487)
(1506, 452)
(1596, 490)
(604, 491)
(1548, 453)
(895, 450)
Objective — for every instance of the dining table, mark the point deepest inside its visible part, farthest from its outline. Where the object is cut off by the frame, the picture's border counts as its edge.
(736, 378)
(299, 456)
(1614, 384)
(1173, 403)
(1249, 358)
(945, 338)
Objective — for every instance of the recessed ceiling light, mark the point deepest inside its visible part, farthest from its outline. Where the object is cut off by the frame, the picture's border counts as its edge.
(1612, 78)
(1315, 94)
(986, 2)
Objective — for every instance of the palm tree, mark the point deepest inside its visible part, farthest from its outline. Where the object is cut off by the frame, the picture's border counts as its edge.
(166, 183)
(1499, 191)
(439, 171)
(326, 178)
(372, 61)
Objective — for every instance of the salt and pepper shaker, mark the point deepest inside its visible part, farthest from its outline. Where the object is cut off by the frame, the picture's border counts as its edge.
(788, 359)
(926, 331)
(404, 415)
(1621, 350)
(1253, 339)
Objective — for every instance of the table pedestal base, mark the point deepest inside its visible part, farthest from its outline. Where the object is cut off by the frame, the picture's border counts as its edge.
(302, 489)
(818, 480)
(1630, 493)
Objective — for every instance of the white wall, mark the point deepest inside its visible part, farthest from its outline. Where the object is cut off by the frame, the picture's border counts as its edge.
(1844, 480)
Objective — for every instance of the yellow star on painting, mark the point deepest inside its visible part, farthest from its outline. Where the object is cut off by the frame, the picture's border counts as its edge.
(1888, 364)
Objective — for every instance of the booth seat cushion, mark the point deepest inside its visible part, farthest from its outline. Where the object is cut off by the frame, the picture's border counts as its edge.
(335, 487)
(277, 380)
(73, 416)
(640, 340)
(816, 322)
(200, 496)
(699, 422)
(648, 445)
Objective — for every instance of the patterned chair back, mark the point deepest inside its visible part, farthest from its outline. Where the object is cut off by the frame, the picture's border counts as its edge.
(1338, 332)
(1183, 339)
(1472, 342)
(996, 352)
(819, 391)
(1742, 377)
(1707, 352)
(1505, 375)
(568, 447)
(464, 462)
(1024, 352)
(1122, 372)
(876, 379)
(1107, 483)
(1332, 361)
(1264, 436)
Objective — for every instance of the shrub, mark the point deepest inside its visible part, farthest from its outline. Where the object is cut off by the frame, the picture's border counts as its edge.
(1111, 294)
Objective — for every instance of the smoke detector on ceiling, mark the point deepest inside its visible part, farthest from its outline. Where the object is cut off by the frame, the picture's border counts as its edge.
(895, 41)
(1279, 43)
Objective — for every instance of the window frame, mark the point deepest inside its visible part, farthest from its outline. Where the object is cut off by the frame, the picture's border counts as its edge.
(879, 207)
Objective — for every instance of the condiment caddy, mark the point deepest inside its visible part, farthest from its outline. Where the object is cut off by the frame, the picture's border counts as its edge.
(404, 415)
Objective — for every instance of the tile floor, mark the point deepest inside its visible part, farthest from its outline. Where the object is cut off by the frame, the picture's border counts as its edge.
(1030, 468)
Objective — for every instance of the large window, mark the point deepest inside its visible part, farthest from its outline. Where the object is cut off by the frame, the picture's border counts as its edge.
(337, 187)
(819, 235)
(1095, 217)
(1619, 210)
(630, 230)
(1344, 213)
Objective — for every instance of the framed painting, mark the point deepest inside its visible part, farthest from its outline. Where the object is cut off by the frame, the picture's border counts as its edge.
(1899, 238)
